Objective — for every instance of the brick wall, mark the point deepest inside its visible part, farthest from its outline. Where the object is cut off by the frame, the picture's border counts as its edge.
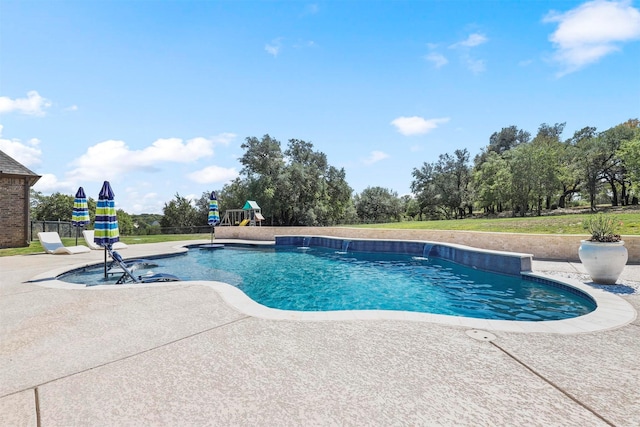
(13, 223)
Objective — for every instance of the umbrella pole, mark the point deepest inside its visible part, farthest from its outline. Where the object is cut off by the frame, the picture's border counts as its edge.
(105, 262)
(76, 236)
(212, 228)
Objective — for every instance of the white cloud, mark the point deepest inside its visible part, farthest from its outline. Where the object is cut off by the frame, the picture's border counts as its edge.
(110, 159)
(476, 66)
(28, 154)
(212, 174)
(374, 157)
(302, 44)
(417, 125)
(32, 105)
(174, 150)
(476, 39)
(49, 183)
(224, 138)
(137, 203)
(274, 47)
(591, 31)
(151, 207)
(437, 59)
(473, 40)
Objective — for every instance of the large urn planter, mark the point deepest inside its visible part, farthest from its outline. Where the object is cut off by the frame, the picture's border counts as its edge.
(604, 261)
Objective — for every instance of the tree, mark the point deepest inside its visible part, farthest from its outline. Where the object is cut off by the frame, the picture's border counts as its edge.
(56, 207)
(613, 168)
(340, 207)
(410, 207)
(179, 215)
(452, 178)
(297, 187)
(377, 205)
(570, 174)
(547, 150)
(263, 164)
(202, 208)
(145, 224)
(492, 181)
(629, 153)
(35, 199)
(233, 195)
(444, 188)
(125, 223)
(546, 131)
(306, 185)
(424, 188)
(503, 141)
(590, 161)
(599, 163)
(521, 166)
(535, 169)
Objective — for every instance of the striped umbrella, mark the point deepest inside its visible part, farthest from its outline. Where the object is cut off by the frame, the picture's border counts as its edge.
(80, 215)
(106, 224)
(214, 214)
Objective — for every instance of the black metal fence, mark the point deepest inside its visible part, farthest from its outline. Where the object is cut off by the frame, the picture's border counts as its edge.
(66, 229)
(184, 230)
(63, 228)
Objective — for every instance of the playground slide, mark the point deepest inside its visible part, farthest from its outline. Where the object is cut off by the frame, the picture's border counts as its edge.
(244, 222)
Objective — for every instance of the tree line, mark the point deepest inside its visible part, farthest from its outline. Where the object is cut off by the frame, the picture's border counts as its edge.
(514, 173)
(526, 175)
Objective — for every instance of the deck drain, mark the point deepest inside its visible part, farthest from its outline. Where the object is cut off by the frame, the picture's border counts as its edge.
(480, 335)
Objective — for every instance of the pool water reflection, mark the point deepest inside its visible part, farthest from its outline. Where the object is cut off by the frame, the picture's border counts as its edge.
(321, 279)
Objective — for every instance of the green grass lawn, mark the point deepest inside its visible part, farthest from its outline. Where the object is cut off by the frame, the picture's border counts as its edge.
(629, 224)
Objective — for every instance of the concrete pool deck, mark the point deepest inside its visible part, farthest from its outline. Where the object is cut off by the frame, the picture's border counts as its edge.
(178, 354)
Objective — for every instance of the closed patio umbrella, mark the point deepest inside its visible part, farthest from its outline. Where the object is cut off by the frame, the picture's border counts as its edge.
(80, 215)
(214, 214)
(106, 231)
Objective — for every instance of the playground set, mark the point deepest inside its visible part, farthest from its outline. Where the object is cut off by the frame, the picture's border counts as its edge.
(250, 214)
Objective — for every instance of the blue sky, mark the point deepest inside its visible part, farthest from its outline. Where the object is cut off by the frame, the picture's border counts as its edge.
(158, 96)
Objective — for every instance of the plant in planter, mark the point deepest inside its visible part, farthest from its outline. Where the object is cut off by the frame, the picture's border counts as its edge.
(602, 228)
(604, 255)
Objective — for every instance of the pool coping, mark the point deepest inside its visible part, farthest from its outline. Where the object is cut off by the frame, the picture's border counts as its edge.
(611, 311)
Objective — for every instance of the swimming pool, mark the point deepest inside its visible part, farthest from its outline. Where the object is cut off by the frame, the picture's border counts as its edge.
(303, 278)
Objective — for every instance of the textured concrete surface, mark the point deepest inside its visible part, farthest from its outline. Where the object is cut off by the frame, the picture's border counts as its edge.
(180, 355)
(542, 246)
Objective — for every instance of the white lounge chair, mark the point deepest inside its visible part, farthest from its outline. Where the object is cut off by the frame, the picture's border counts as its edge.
(51, 243)
(89, 235)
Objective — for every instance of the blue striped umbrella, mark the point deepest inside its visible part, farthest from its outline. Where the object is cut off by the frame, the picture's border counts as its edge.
(214, 214)
(80, 215)
(106, 224)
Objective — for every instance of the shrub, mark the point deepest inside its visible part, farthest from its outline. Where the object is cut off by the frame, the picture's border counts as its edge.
(602, 228)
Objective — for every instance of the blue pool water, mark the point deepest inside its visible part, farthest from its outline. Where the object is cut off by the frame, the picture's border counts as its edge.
(320, 279)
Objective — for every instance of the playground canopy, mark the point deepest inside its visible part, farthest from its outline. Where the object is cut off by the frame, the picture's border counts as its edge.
(250, 204)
